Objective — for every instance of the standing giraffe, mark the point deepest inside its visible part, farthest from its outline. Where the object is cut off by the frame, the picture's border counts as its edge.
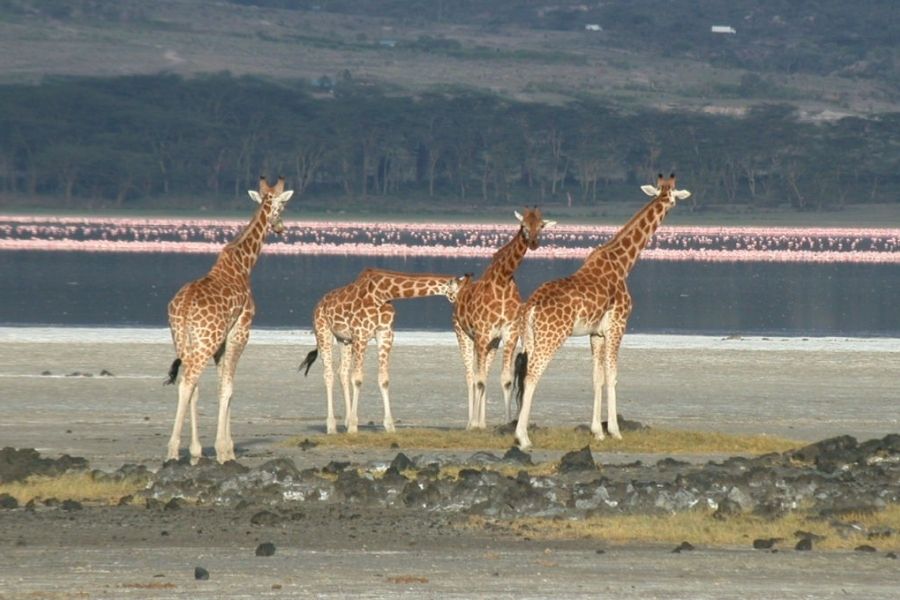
(484, 316)
(593, 301)
(210, 318)
(356, 313)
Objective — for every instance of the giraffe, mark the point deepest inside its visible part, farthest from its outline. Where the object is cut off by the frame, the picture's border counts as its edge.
(484, 316)
(593, 301)
(356, 313)
(210, 318)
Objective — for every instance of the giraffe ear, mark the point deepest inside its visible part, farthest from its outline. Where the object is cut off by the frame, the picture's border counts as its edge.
(284, 196)
(254, 195)
(650, 190)
(518, 216)
(681, 194)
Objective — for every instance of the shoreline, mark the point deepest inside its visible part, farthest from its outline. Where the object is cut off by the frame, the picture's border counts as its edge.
(419, 338)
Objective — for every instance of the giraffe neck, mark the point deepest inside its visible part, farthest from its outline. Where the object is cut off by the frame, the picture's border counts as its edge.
(625, 247)
(240, 254)
(506, 260)
(392, 285)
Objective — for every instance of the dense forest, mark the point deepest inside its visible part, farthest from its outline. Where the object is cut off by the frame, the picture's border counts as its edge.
(121, 142)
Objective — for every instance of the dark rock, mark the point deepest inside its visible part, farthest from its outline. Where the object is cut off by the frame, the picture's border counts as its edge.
(306, 444)
(804, 544)
(8, 502)
(808, 535)
(335, 467)
(45, 373)
(265, 549)
(265, 518)
(402, 462)
(577, 460)
(201, 574)
(281, 469)
(727, 508)
(515, 455)
(18, 465)
(831, 454)
(865, 548)
(105, 373)
(891, 555)
(71, 505)
(174, 504)
(683, 547)
(765, 543)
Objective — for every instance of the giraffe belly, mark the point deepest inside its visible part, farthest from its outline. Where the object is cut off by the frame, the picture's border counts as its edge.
(588, 326)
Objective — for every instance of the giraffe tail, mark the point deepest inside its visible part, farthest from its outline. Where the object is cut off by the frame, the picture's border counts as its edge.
(173, 372)
(308, 361)
(521, 369)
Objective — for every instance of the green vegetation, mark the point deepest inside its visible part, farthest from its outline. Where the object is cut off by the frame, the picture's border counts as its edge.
(147, 141)
(411, 106)
(669, 441)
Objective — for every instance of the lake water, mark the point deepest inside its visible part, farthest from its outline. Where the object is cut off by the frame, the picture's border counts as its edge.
(680, 297)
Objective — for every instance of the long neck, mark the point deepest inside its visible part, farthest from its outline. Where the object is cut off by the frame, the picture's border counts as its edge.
(625, 247)
(506, 260)
(391, 285)
(240, 254)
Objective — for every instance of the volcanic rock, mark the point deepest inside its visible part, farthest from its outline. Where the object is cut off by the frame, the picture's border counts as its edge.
(265, 549)
(577, 460)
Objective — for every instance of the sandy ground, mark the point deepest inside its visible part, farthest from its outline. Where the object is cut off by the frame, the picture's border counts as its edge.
(803, 390)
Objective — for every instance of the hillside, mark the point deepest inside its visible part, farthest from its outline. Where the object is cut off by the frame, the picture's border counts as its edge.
(408, 106)
(829, 58)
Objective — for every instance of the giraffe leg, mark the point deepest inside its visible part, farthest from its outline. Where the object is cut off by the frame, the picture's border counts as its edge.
(234, 347)
(186, 386)
(467, 350)
(384, 338)
(610, 367)
(196, 448)
(539, 349)
(598, 349)
(506, 370)
(482, 399)
(358, 352)
(325, 342)
(344, 374)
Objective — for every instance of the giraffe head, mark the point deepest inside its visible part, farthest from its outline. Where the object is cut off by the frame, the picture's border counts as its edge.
(452, 287)
(273, 200)
(666, 191)
(531, 226)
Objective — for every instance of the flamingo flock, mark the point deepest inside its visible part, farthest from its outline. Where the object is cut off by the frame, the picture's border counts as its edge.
(684, 243)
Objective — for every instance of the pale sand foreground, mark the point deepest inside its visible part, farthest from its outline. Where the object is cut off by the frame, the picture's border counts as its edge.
(800, 389)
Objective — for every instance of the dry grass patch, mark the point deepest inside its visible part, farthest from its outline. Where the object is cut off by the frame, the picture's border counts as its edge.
(670, 441)
(701, 529)
(72, 486)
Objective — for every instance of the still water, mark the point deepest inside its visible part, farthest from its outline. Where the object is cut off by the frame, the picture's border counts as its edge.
(687, 297)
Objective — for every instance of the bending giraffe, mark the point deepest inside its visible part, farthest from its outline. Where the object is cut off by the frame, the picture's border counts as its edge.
(353, 315)
(210, 318)
(484, 316)
(593, 301)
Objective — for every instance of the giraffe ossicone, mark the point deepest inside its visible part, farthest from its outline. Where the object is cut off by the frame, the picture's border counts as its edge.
(593, 301)
(354, 314)
(210, 318)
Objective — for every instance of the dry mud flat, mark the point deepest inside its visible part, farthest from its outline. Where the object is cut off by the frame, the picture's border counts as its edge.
(342, 523)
